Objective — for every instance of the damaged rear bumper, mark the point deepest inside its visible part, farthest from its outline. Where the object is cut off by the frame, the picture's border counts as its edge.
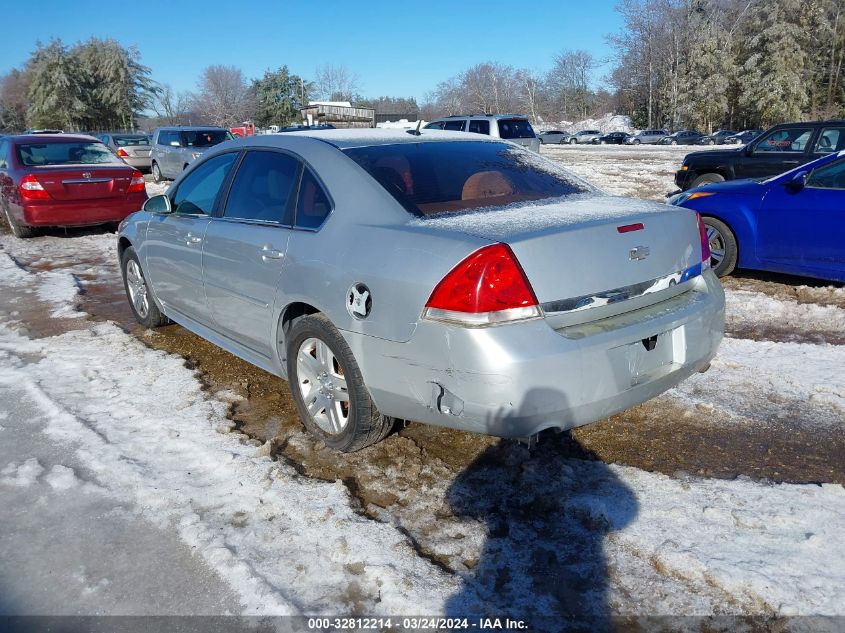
(516, 380)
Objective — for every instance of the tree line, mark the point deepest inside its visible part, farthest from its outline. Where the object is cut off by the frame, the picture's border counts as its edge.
(675, 63)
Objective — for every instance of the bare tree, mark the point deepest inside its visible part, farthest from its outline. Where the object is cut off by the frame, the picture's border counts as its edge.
(224, 97)
(335, 83)
(171, 108)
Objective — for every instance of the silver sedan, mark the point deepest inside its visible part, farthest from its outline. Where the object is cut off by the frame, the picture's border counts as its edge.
(461, 282)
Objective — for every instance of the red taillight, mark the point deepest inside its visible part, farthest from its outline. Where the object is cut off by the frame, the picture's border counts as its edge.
(627, 228)
(705, 243)
(487, 287)
(31, 189)
(122, 153)
(137, 182)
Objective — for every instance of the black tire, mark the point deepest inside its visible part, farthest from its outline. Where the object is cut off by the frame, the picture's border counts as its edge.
(721, 239)
(153, 317)
(19, 230)
(573, 141)
(156, 172)
(364, 425)
(636, 141)
(673, 142)
(707, 179)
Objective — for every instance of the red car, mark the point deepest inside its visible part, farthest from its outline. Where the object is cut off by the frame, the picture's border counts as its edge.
(64, 180)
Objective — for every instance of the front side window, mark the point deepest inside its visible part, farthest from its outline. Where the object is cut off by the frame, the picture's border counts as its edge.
(263, 188)
(439, 177)
(203, 138)
(832, 139)
(198, 191)
(313, 206)
(831, 176)
(789, 140)
(481, 127)
(71, 153)
(454, 126)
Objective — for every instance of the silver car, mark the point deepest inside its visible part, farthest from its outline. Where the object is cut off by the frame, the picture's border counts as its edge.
(553, 137)
(174, 148)
(584, 136)
(134, 149)
(515, 128)
(462, 282)
(647, 137)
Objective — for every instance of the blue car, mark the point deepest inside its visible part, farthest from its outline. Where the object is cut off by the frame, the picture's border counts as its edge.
(793, 223)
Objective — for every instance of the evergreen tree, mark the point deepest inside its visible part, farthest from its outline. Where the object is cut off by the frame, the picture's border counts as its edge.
(279, 97)
(55, 90)
(775, 82)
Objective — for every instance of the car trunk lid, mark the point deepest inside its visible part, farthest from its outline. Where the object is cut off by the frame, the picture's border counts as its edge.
(85, 182)
(594, 256)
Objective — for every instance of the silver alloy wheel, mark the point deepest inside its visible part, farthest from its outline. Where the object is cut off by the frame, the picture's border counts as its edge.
(137, 289)
(717, 246)
(156, 172)
(322, 386)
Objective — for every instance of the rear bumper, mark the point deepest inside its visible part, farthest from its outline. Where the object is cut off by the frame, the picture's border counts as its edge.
(139, 162)
(518, 379)
(81, 212)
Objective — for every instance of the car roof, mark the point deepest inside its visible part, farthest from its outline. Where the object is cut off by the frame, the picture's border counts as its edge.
(481, 115)
(366, 137)
(52, 138)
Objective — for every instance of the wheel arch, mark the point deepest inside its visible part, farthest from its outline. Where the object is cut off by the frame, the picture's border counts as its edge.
(290, 313)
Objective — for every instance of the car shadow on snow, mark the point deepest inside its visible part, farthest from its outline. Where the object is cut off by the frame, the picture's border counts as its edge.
(546, 512)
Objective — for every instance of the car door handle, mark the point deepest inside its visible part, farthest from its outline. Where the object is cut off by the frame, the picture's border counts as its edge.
(791, 162)
(271, 253)
(192, 239)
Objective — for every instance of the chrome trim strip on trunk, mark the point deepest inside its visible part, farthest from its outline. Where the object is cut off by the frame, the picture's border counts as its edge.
(618, 295)
(83, 181)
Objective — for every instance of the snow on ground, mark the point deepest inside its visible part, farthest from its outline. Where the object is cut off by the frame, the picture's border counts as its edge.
(773, 383)
(139, 422)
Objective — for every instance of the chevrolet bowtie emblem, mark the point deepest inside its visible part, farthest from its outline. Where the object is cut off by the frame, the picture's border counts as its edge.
(639, 252)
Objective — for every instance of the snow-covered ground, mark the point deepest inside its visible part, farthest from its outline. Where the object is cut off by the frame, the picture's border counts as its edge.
(94, 423)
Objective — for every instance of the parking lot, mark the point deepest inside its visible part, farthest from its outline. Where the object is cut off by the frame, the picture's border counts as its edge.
(574, 522)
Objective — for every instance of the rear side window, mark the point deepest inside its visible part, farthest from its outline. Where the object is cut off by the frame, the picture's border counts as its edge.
(198, 191)
(439, 177)
(515, 128)
(479, 127)
(75, 153)
(832, 139)
(455, 126)
(313, 206)
(263, 188)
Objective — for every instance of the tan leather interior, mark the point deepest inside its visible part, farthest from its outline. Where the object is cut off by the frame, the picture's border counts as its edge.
(487, 184)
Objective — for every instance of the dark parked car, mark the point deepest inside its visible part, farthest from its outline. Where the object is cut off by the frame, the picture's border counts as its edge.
(682, 137)
(782, 148)
(555, 137)
(789, 224)
(64, 180)
(744, 137)
(614, 138)
(717, 138)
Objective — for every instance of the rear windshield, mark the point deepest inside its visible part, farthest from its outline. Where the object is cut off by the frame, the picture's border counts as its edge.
(204, 138)
(515, 128)
(124, 141)
(441, 177)
(77, 153)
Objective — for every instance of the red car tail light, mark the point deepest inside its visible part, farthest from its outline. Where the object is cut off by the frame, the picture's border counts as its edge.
(122, 152)
(486, 288)
(705, 243)
(31, 189)
(137, 182)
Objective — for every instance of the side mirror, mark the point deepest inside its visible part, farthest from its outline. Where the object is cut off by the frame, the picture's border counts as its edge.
(797, 182)
(749, 150)
(158, 204)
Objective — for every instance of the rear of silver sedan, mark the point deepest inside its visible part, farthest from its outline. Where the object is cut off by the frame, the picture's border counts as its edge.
(617, 306)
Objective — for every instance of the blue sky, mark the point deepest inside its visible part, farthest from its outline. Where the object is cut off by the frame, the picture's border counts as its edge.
(396, 48)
